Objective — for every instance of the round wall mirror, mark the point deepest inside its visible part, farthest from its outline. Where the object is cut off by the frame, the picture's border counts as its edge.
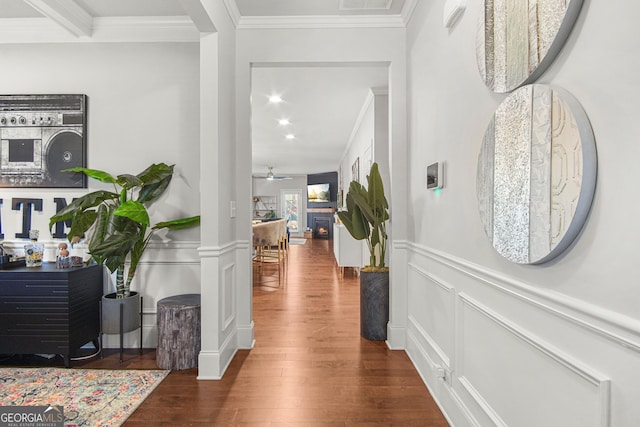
(536, 174)
(518, 39)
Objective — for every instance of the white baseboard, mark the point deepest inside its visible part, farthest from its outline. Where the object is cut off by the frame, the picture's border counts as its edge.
(212, 364)
(246, 339)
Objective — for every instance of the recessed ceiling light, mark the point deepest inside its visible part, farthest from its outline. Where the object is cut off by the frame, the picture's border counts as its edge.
(283, 122)
(274, 99)
(290, 136)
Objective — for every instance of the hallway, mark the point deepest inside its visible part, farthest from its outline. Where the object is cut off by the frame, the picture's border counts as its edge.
(309, 365)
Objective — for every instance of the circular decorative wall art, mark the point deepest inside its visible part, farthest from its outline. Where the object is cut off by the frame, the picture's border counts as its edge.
(518, 39)
(536, 174)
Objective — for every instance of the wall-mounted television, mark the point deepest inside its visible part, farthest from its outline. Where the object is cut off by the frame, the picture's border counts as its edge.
(318, 193)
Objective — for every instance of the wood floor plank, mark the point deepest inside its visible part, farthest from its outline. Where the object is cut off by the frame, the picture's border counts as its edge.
(309, 366)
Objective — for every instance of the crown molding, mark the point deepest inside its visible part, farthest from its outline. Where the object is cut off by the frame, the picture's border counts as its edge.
(145, 29)
(407, 10)
(65, 13)
(329, 21)
(154, 29)
(371, 95)
(379, 91)
(34, 30)
(199, 15)
(65, 24)
(233, 11)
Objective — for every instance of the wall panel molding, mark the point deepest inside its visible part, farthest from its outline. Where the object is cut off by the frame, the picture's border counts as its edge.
(479, 400)
(172, 253)
(218, 251)
(423, 340)
(228, 299)
(582, 378)
(620, 329)
(415, 326)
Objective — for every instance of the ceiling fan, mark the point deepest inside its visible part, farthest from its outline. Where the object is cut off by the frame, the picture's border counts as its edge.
(273, 177)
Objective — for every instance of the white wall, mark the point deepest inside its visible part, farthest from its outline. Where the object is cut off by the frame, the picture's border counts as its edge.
(142, 108)
(369, 143)
(360, 147)
(554, 344)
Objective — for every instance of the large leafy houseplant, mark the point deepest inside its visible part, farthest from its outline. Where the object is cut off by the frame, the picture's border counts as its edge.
(117, 222)
(366, 216)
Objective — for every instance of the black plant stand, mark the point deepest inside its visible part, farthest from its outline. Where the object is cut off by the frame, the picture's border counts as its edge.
(122, 330)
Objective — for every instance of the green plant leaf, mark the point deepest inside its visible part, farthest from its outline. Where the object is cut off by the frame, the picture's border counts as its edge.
(152, 191)
(133, 210)
(355, 223)
(375, 236)
(366, 214)
(113, 262)
(81, 222)
(361, 201)
(156, 173)
(120, 227)
(99, 175)
(115, 245)
(103, 217)
(80, 204)
(128, 181)
(377, 200)
(179, 224)
(156, 179)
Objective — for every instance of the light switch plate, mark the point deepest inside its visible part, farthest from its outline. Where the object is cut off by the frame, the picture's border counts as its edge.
(232, 208)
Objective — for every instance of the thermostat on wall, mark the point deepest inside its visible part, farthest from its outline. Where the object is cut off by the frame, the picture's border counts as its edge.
(435, 175)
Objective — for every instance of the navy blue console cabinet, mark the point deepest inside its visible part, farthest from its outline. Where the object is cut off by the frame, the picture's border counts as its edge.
(45, 310)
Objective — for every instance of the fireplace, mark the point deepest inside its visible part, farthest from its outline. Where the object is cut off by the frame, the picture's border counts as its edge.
(321, 228)
(321, 222)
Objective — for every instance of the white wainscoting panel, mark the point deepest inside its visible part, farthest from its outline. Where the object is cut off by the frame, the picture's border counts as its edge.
(167, 269)
(515, 353)
(433, 325)
(228, 295)
(518, 379)
(219, 313)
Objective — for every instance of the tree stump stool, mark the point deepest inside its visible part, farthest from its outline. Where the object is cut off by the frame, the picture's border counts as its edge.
(178, 332)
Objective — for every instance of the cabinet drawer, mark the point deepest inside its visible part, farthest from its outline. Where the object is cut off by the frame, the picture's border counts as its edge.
(24, 304)
(49, 310)
(26, 344)
(34, 288)
(34, 324)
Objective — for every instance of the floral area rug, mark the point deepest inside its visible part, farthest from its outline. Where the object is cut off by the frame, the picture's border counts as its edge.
(89, 397)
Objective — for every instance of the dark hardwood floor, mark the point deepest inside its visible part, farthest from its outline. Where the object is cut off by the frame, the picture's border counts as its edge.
(309, 365)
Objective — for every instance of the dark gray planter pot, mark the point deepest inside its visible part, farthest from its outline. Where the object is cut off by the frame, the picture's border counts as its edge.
(111, 313)
(374, 304)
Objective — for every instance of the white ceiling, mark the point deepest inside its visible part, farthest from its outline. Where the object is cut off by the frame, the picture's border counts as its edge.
(322, 103)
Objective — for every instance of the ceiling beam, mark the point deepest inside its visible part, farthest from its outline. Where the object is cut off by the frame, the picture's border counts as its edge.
(199, 15)
(65, 13)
